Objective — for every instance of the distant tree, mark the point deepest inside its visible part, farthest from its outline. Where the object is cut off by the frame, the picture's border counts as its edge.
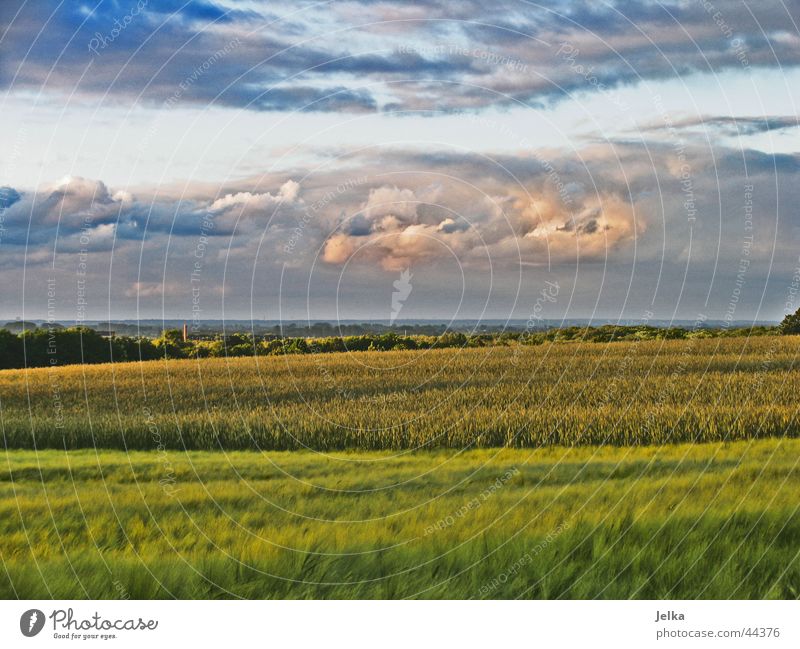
(171, 344)
(18, 326)
(11, 354)
(790, 324)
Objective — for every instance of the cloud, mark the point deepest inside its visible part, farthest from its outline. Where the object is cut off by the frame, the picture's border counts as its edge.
(363, 56)
(729, 125)
(618, 208)
(251, 203)
(70, 205)
(391, 201)
(75, 209)
(601, 224)
(388, 230)
(144, 289)
(449, 226)
(393, 231)
(298, 97)
(338, 249)
(8, 196)
(289, 190)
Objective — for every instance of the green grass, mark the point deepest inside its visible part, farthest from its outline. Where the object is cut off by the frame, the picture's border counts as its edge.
(679, 521)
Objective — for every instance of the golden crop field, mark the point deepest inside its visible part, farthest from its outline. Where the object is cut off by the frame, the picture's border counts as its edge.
(572, 394)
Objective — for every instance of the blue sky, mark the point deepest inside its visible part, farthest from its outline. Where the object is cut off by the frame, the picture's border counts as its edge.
(246, 159)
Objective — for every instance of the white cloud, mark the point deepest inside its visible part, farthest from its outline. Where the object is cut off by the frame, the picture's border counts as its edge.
(391, 201)
(252, 203)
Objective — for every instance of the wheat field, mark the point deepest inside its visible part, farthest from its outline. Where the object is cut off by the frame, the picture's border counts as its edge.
(651, 392)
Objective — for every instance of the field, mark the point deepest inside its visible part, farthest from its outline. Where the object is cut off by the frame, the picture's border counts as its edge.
(684, 521)
(662, 469)
(621, 393)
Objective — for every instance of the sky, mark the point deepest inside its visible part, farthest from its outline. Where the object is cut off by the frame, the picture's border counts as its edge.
(507, 160)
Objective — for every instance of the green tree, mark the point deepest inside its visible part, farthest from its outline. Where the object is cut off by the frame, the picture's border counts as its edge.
(11, 354)
(790, 324)
(171, 344)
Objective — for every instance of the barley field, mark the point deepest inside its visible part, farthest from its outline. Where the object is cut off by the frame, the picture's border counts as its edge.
(717, 520)
(652, 392)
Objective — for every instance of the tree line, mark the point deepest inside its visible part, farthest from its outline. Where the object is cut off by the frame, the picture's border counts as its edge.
(45, 347)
